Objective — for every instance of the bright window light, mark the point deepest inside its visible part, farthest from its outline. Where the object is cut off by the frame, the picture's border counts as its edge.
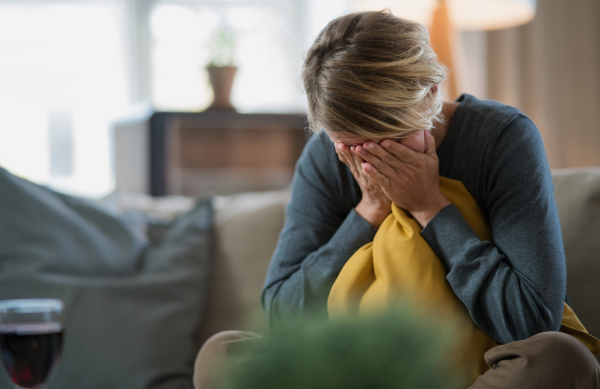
(69, 68)
(266, 52)
(63, 78)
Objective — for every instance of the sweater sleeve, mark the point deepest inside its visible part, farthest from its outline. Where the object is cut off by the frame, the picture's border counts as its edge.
(514, 286)
(320, 234)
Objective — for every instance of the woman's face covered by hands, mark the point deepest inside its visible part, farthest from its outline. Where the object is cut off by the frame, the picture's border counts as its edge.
(401, 171)
(350, 148)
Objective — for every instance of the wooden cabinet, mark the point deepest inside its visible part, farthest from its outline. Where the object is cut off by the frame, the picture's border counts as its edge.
(195, 154)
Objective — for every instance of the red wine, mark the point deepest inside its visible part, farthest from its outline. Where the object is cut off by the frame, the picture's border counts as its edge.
(28, 351)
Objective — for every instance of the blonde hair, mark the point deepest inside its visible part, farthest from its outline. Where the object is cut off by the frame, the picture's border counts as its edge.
(372, 74)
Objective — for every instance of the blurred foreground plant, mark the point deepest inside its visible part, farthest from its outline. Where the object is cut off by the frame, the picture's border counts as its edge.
(395, 349)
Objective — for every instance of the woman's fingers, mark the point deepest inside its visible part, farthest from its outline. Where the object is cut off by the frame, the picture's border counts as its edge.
(358, 160)
(398, 150)
(357, 164)
(371, 158)
(374, 205)
(380, 159)
(376, 177)
(346, 156)
(378, 151)
(342, 152)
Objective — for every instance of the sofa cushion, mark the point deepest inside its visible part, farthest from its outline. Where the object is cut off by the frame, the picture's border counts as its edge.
(577, 193)
(133, 309)
(247, 227)
(50, 232)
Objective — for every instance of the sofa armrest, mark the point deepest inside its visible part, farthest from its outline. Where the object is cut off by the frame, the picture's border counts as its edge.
(577, 193)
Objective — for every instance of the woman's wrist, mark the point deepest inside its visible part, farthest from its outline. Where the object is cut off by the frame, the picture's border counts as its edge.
(424, 216)
(373, 214)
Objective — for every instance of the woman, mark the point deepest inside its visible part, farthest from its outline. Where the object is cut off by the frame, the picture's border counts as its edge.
(372, 85)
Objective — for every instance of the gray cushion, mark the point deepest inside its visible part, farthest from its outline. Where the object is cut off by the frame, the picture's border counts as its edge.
(134, 309)
(577, 193)
(56, 233)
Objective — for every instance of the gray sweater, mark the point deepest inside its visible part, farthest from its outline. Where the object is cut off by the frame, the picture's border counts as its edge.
(513, 287)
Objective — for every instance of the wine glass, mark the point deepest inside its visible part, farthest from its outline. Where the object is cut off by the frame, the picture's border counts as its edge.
(31, 332)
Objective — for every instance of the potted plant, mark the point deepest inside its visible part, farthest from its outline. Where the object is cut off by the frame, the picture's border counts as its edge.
(221, 69)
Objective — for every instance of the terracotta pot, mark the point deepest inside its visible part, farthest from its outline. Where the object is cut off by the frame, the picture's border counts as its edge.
(221, 79)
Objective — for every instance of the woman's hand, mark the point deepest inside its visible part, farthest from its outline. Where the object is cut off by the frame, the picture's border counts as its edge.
(374, 205)
(408, 178)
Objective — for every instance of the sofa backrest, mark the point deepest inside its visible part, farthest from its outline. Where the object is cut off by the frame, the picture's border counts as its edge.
(248, 225)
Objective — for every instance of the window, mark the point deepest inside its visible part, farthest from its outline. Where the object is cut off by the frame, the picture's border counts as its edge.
(63, 77)
(264, 45)
(69, 68)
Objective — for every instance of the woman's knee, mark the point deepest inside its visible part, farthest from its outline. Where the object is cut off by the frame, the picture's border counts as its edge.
(214, 354)
(563, 348)
(565, 356)
(549, 360)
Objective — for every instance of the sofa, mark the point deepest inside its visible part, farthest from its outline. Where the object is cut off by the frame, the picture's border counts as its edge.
(147, 280)
(247, 227)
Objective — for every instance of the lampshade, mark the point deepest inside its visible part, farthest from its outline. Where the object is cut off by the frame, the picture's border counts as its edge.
(465, 14)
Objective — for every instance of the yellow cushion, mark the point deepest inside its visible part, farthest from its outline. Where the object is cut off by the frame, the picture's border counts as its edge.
(400, 266)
